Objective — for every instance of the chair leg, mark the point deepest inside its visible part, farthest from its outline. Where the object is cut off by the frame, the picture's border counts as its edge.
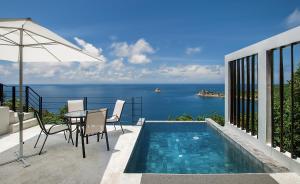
(70, 137)
(43, 144)
(82, 140)
(38, 139)
(102, 136)
(77, 132)
(121, 126)
(70, 134)
(82, 145)
(65, 135)
(107, 144)
(87, 139)
(98, 136)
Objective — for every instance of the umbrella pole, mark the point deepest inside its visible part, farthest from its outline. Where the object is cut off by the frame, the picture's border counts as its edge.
(21, 114)
(20, 155)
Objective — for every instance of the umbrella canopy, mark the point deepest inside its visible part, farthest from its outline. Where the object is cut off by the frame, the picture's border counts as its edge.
(39, 44)
(22, 40)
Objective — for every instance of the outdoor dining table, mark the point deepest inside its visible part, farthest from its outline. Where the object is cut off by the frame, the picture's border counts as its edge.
(79, 125)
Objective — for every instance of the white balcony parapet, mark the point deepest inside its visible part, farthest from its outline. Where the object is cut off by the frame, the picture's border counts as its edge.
(260, 49)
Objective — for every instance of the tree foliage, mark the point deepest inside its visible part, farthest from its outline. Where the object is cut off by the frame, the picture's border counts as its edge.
(287, 115)
(186, 117)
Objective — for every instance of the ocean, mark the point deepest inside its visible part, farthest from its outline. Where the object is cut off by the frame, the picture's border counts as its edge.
(172, 101)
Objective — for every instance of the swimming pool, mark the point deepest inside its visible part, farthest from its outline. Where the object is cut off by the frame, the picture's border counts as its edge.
(189, 148)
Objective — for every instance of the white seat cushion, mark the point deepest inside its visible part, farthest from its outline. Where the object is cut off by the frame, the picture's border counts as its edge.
(112, 119)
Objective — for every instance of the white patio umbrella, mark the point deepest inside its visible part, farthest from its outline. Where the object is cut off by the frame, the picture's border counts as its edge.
(22, 40)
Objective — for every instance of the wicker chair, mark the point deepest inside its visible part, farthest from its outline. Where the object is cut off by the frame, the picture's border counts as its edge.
(54, 129)
(117, 113)
(95, 124)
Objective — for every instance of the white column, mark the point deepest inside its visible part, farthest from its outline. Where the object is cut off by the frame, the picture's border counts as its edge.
(264, 128)
(227, 92)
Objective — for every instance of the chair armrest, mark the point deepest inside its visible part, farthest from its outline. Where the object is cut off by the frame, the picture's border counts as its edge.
(112, 119)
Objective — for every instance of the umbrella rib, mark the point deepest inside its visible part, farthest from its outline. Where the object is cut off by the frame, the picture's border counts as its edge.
(48, 43)
(79, 50)
(66, 45)
(7, 39)
(42, 46)
(10, 32)
(7, 44)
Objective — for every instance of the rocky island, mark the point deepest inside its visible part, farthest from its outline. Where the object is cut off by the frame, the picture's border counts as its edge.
(206, 93)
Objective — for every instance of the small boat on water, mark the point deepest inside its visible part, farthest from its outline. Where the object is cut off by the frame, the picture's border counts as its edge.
(157, 90)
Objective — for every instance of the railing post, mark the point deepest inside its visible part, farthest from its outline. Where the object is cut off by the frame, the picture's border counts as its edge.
(132, 109)
(141, 107)
(85, 103)
(1, 94)
(26, 98)
(13, 100)
(41, 107)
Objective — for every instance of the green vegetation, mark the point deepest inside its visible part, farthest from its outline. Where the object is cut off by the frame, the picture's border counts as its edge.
(52, 118)
(48, 117)
(9, 103)
(185, 117)
(287, 115)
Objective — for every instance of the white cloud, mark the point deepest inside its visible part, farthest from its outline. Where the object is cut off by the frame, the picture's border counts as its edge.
(115, 70)
(136, 53)
(194, 72)
(193, 50)
(117, 64)
(90, 49)
(293, 19)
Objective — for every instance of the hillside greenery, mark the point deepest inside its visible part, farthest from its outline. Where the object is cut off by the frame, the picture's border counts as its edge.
(186, 117)
(287, 115)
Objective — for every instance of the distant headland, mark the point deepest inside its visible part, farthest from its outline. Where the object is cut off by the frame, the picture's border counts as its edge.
(206, 93)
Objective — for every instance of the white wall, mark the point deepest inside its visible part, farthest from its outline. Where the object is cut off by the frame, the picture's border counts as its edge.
(4, 120)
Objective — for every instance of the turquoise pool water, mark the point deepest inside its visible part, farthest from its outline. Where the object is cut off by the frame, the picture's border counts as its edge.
(188, 148)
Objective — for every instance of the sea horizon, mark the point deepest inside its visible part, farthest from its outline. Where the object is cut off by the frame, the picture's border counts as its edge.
(173, 100)
(24, 84)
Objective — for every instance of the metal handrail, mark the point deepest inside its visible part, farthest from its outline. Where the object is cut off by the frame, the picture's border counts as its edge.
(33, 91)
(42, 104)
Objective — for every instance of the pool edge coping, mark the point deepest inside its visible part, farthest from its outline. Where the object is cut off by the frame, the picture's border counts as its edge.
(268, 162)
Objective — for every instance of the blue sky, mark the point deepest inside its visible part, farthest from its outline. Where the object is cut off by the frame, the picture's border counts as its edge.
(150, 41)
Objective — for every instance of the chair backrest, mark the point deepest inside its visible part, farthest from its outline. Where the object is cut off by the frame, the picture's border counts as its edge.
(41, 124)
(95, 121)
(118, 108)
(75, 105)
